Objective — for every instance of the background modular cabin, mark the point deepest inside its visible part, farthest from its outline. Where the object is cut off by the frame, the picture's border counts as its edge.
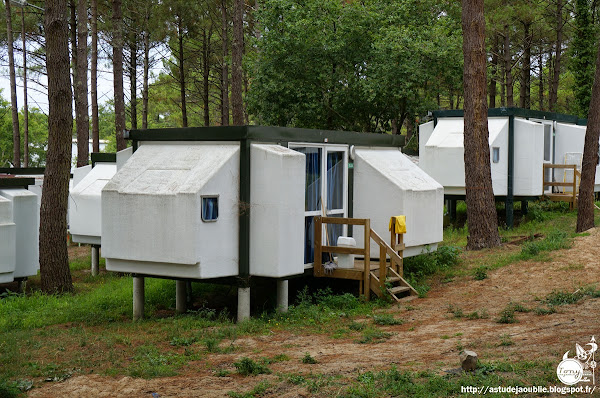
(521, 141)
(19, 230)
(217, 202)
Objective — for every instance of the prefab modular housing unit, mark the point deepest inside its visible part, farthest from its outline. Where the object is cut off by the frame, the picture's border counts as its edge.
(19, 230)
(520, 142)
(215, 202)
(85, 211)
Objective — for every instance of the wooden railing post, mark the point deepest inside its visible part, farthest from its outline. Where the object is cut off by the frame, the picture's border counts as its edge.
(382, 267)
(367, 254)
(317, 262)
(393, 240)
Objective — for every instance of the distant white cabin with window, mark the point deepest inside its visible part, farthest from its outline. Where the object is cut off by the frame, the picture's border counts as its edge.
(520, 142)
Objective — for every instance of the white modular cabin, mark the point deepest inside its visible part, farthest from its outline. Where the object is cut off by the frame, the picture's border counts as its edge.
(85, 210)
(535, 137)
(236, 202)
(19, 230)
(159, 213)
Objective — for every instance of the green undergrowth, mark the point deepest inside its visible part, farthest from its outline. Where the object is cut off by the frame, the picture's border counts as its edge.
(398, 383)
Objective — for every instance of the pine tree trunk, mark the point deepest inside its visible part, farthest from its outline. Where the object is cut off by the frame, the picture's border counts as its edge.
(508, 68)
(54, 258)
(585, 203)
(494, 72)
(206, 73)
(145, 78)
(81, 87)
(13, 89)
(481, 209)
(224, 66)
(525, 92)
(25, 107)
(557, 57)
(133, 81)
(94, 78)
(73, 38)
(541, 80)
(182, 75)
(117, 20)
(236, 64)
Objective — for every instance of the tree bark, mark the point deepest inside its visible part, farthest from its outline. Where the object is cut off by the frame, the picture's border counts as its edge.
(224, 66)
(25, 107)
(508, 68)
(54, 258)
(133, 80)
(481, 209)
(94, 78)
(585, 203)
(553, 97)
(81, 87)
(541, 80)
(494, 72)
(146, 71)
(73, 37)
(117, 20)
(525, 92)
(206, 73)
(236, 64)
(13, 89)
(182, 75)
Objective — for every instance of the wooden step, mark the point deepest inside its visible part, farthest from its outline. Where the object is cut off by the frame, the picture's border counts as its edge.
(398, 289)
(393, 279)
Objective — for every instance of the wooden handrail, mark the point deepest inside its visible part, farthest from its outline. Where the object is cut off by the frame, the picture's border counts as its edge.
(574, 186)
(384, 250)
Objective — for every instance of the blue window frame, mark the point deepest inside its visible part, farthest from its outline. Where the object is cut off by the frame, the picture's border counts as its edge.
(210, 208)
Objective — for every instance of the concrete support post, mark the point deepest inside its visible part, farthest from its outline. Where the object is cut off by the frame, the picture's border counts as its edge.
(138, 298)
(21, 284)
(180, 296)
(95, 260)
(282, 295)
(524, 208)
(243, 304)
(452, 209)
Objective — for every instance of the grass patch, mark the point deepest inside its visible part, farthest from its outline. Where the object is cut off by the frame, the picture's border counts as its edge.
(396, 383)
(258, 390)
(545, 311)
(308, 359)
(9, 389)
(247, 367)
(418, 268)
(507, 316)
(480, 273)
(373, 335)
(558, 297)
(386, 320)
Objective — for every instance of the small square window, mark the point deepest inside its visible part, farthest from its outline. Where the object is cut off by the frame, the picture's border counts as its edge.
(210, 208)
(495, 155)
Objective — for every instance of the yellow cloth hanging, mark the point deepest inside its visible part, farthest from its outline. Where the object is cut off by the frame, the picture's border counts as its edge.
(400, 227)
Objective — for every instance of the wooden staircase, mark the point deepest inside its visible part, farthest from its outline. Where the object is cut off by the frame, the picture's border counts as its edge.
(395, 287)
(392, 285)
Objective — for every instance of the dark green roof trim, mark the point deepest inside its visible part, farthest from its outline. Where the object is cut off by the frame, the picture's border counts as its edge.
(266, 134)
(101, 157)
(12, 182)
(22, 171)
(519, 112)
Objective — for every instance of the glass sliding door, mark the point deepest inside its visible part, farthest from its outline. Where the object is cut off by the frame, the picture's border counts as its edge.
(326, 191)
